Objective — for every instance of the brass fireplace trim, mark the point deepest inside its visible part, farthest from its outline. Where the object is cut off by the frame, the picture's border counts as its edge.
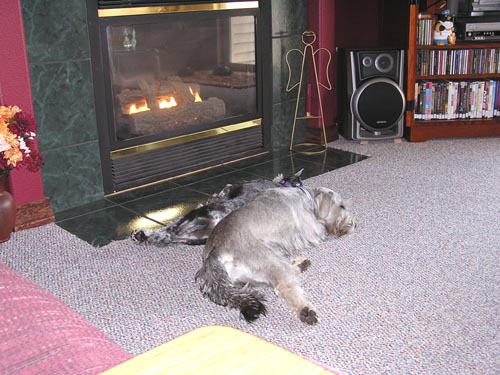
(117, 154)
(184, 174)
(138, 11)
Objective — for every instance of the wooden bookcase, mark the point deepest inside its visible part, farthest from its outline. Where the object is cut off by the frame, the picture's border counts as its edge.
(418, 130)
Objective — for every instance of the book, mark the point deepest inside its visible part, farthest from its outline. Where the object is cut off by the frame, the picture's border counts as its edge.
(428, 101)
(425, 29)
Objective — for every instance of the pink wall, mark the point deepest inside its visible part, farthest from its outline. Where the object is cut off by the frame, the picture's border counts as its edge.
(15, 89)
(357, 23)
(321, 20)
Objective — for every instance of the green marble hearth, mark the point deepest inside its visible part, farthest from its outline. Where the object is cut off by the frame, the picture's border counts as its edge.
(115, 217)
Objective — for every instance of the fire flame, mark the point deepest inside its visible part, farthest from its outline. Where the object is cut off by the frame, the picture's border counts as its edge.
(163, 102)
(142, 107)
(196, 94)
(167, 102)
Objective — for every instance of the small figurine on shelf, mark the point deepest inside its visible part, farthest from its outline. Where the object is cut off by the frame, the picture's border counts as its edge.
(444, 30)
(129, 41)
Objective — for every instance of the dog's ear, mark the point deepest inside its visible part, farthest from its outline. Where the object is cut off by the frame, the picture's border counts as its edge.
(324, 201)
(278, 179)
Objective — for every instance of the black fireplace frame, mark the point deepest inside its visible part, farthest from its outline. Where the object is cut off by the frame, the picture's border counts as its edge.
(150, 159)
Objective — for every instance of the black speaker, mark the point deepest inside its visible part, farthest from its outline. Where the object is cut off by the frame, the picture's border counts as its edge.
(374, 94)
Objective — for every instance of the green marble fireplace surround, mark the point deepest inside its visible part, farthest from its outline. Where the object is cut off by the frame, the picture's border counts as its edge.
(60, 68)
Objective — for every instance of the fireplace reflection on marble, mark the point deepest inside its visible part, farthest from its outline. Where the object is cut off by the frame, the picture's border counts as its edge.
(178, 88)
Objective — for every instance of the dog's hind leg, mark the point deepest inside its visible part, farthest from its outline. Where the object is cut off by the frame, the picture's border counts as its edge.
(192, 229)
(215, 284)
(288, 288)
(159, 237)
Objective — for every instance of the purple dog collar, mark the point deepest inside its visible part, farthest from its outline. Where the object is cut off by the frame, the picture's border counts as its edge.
(288, 184)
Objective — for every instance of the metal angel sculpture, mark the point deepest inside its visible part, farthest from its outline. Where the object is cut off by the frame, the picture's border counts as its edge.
(308, 38)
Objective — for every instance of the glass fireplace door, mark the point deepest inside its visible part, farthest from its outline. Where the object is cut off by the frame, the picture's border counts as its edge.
(175, 74)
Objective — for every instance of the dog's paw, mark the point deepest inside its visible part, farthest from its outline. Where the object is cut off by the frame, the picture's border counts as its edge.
(220, 195)
(301, 263)
(304, 265)
(308, 316)
(139, 236)
(252, 311)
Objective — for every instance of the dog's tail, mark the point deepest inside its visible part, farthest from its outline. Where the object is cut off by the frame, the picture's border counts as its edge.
(214, 283)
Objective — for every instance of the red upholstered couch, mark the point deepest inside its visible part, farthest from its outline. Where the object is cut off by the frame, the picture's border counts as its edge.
(39, 334)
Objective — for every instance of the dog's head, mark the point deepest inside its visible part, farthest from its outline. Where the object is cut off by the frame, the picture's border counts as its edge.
(334, 212)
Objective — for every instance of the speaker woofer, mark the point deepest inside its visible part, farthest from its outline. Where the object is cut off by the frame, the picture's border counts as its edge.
(378, 104)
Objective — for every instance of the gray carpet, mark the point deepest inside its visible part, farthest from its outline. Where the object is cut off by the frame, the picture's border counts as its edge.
(416, 290)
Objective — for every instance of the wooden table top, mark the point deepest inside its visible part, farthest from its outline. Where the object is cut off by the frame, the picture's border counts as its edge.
(218, 350)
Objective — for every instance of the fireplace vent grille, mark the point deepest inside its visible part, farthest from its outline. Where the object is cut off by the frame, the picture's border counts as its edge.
(137, 170)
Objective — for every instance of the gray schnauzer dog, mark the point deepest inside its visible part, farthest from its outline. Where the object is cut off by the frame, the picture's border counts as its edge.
(194, 227)
(257, 245)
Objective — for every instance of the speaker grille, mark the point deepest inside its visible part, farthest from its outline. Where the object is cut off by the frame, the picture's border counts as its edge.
(380, 105)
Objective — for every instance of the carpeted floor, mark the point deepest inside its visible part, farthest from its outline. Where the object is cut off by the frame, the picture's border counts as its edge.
(416, 290)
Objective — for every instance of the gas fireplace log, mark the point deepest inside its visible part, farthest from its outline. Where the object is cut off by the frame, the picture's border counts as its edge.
(152, 92)
(178, 89)
(149, 89)
(157, 121)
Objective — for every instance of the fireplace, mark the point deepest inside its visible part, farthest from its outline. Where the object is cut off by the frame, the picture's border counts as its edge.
(179, 86)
